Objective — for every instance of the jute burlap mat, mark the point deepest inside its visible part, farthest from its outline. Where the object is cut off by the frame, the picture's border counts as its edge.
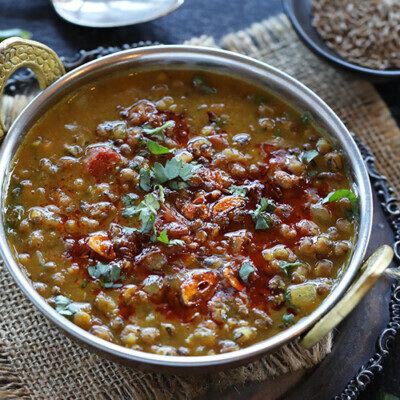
(38, 362)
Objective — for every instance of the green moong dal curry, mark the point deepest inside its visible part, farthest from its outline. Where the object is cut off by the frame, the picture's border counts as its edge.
(179, 212)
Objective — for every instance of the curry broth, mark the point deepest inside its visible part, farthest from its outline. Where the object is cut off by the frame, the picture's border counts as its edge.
(179, 212)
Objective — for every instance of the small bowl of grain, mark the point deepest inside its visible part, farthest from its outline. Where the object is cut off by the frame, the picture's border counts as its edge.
(361, 36)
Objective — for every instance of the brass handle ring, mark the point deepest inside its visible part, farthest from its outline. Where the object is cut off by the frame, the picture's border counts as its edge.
(16, 53)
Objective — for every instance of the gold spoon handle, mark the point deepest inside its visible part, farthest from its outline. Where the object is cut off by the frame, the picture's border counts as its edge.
(16, 53)
(370, 272)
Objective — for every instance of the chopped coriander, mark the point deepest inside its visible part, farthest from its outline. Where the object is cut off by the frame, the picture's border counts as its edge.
(129, 199)
(305, 117)
(343, 194)
(161, 196)
(312, 173)
(161, 174)
(156, 148)
(156, 132)
(219, 122)
(145, 179)
(258, 99)
(168, 172)
(40, 258)
(111, 144)
(261, 215)
(7, 33)
(245, 270)
(178, 242)
(128, 230)
(263, 221)
(187, 170)
(288, 319)
(288, 300)
(65, 306)
(238, 190)
(172, 170)
(106, 275)
(308, 156)
(175, 185)
(163, 238)
(147, 210)
(198, 82)
(16, 192)
(277, 132)
(84, 284)
(285, 265)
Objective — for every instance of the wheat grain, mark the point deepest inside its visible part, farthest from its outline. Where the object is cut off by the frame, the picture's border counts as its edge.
(365, 32)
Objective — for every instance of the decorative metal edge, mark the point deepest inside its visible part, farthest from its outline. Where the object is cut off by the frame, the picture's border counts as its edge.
(366, 373)
(24, 78)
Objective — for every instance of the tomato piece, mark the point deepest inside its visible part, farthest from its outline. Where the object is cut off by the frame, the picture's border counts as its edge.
(101, 160)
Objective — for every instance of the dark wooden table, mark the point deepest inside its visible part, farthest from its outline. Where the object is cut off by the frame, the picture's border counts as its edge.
(196, 17)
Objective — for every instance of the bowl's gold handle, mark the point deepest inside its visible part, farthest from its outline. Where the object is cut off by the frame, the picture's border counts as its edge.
(16, 53)
(370, 272)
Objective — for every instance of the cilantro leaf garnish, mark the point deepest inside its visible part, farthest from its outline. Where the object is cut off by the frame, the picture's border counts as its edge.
(187, 170)
(261, 216)
(245, 270)
(286, 265)
(156, 132)
(163, 238)
(168, 172)
(288, 319)
(219, 122)
(16, 192)
(175, 185)
(172, 170)
(305, 117)
(129, 199)
(240, 191)
(277, 132)
(65, 306)
(263, 221)
(147, 211)
(128, 230)
(145, 179)
(106, 275)
(258, 99)
(288, 301)
(179, 242)
(312, 173)
(308, 156)
(161, 196)
(342, 194)
(156, 148)
(198, 82)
